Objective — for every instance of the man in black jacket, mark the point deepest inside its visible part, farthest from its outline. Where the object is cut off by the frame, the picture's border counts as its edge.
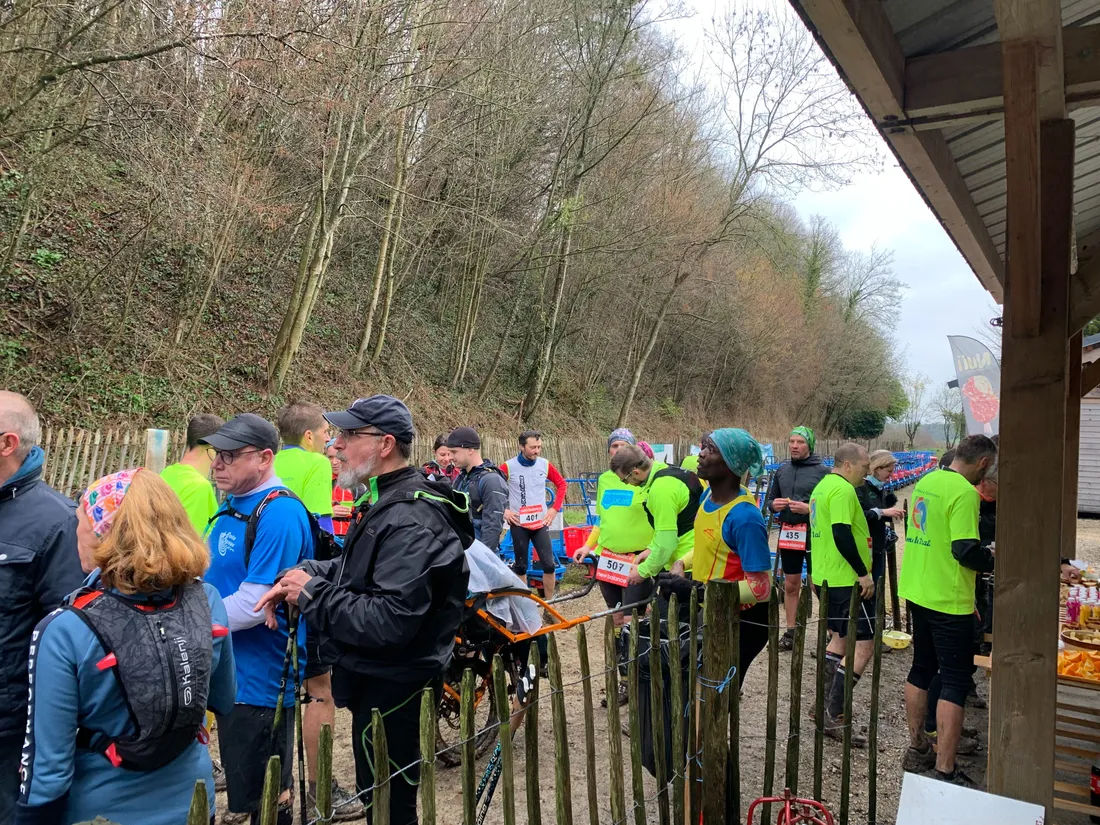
(788, 497)
(39, 567)
(483, 482)
(388, 610)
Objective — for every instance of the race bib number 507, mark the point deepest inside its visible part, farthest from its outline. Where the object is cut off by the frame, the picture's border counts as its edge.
(614, 569)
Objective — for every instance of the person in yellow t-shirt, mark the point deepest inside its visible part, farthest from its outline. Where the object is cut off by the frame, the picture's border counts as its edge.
(189, 478)
(842, 557)
(943, 555)
(302, 466)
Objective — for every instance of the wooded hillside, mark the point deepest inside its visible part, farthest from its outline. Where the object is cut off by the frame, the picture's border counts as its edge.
(499, 209)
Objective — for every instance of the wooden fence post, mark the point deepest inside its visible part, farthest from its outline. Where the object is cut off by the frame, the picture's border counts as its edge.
(507, 771)
(199, 814)
(466, 748)
(872, 729)
(614, 725)
(678, 767)
(819, 696)
(657, 706)
(427, 754)
(269, 800)
(324, 775)
(716, 679)
(773, 697)
(849, 685)
(531, 742)
(635, 723)
(694, 786)
(733, 791)
(380, 801)
(797, 661)
(589, 726)
(561, 737)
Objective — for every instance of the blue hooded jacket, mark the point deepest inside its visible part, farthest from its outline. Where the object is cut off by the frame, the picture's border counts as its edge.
(39, 567)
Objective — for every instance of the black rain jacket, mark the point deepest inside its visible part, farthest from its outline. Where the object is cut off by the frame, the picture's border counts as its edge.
(389, 607)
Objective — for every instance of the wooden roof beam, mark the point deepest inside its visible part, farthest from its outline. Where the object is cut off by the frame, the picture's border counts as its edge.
(859, 38)
(968, 83)
(1039, 21)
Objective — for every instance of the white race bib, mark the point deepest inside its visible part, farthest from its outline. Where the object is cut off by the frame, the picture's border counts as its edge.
(793, 536)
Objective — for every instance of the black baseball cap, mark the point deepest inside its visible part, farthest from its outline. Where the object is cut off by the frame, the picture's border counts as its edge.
(388, 414)
(464, 437)
(245, 430)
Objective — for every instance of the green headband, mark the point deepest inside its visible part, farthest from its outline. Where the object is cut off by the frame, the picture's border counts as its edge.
(807, 434)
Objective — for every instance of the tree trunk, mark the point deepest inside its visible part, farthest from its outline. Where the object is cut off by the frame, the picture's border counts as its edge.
(651, 340)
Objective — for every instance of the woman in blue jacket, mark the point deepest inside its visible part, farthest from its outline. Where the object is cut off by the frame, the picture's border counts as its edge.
(122, 675)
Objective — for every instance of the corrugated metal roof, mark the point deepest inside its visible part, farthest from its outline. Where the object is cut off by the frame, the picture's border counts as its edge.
(933, 26)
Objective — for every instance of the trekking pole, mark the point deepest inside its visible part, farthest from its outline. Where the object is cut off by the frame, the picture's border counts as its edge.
(291, 647)
(292, 616)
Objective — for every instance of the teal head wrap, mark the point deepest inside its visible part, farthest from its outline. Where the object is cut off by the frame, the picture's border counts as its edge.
(807, 434)
(740, 451)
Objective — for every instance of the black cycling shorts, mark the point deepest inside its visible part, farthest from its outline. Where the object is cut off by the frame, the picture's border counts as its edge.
(792, 562)
(523, 538)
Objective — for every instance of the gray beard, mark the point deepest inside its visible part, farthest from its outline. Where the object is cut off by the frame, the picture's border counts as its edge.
(350, 477)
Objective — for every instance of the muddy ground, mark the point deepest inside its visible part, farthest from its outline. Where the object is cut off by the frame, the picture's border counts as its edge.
(892, 734)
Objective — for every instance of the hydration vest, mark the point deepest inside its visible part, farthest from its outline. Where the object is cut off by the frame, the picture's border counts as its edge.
(325, 546)
(162, 657)
(685, 519)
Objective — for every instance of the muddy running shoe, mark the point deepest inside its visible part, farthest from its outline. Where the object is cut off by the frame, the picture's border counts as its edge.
(956, 777)
(786, 641)
(975, 700)
(624, 696)
(834, 729)
(230, 818)
(919, 760)
(525, 685)
(968, 741)
(219, 776)
(344, 805)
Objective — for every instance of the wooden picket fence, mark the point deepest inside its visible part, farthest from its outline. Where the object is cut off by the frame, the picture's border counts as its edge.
(706, 750)
(76, 457)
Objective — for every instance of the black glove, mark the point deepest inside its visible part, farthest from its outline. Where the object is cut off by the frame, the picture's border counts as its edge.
(669, 583)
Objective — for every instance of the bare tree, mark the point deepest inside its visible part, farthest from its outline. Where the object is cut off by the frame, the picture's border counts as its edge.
(916, 394)
(947, 403)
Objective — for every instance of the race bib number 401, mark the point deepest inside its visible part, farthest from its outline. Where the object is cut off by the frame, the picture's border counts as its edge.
(531, 514)
(793, 536)
(614, 569)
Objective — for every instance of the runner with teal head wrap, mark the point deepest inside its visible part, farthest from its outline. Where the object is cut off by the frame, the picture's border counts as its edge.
(807, 434)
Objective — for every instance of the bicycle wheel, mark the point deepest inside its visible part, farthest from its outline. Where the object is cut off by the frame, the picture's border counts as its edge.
(448, 735)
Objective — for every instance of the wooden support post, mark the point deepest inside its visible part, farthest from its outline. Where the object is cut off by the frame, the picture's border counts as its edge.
(466, 748)
(819, 695)
(507, 770)
(678, 768)
(1021, 77)
(199, 814)
(324, 773)
(872, 721)
(849, 686)
(589, 727)
(657, 719)
(614, 725)
(531, 743)
(733, 791)
(771, 726)
(794, 716)
(269, 798)
(1073, 448)
(1090, 377)
(694, 785)
(1034, 387)
(716, 680)
(427, 753)
(633, 691)
(380, 799)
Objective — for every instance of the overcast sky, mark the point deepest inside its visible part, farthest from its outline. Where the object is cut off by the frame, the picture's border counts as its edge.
(942, 295)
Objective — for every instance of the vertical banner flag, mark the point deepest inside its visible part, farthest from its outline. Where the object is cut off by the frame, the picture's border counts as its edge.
(979, 377)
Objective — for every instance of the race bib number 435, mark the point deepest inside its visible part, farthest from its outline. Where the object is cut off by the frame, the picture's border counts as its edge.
(614, 569)
(793, 536)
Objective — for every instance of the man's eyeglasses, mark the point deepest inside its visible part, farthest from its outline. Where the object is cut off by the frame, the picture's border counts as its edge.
(347, 435)
(227, 457)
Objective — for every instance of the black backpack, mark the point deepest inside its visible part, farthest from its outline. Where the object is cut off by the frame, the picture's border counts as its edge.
(685, 521)
(162, 658)
(324, 544)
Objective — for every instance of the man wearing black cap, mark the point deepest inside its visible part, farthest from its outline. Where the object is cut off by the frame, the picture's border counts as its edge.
(244, 454)
(387, 611)
(484, 484)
